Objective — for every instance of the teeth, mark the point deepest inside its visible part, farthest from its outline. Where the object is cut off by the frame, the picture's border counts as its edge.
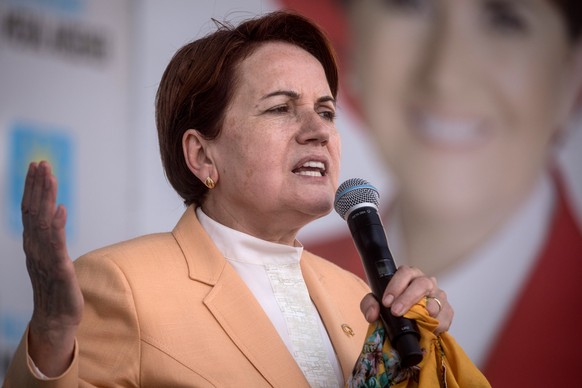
(310, 173)
(313, 164)
(453, 132)
(319, 166)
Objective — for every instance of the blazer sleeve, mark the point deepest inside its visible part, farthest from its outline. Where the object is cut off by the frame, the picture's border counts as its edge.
(20, 373)
(108, 344)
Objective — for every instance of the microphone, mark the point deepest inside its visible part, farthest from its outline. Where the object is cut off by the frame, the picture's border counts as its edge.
(356, 201)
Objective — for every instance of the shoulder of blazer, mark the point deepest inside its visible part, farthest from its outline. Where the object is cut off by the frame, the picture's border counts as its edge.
(187, 244)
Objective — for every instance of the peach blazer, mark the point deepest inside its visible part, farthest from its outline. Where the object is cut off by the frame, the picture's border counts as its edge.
(168, 310)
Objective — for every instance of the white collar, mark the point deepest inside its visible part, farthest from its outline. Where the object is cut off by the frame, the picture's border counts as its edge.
(235, 245)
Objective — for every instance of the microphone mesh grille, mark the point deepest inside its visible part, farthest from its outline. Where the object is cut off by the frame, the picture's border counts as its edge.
(353, 192)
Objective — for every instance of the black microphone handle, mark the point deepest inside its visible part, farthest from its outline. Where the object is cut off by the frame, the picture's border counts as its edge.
(370, 240)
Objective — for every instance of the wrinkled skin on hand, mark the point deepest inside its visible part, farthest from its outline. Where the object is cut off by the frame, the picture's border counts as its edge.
(58, 302)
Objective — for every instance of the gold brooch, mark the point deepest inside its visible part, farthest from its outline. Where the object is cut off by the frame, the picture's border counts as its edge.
(348, 330)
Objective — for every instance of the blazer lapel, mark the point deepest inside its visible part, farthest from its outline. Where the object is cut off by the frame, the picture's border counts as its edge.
(234, 306)
(244, 320)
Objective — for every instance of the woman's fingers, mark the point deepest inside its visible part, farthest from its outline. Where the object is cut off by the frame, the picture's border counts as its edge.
(406, 288)
(52, 218)
(37, 190)
(58, 235)
(27, 194)
(48, 198)
(49, 266)
(370, 308)
(34, 198)
(44, 222)
(438, 307)
(434, 306)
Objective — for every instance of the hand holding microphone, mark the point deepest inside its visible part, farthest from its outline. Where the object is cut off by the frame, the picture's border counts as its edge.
(356, 201)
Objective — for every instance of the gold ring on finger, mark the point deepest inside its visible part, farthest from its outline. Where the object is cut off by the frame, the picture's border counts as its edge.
(438, 302)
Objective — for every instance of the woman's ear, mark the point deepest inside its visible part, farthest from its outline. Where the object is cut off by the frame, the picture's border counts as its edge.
(198, 160)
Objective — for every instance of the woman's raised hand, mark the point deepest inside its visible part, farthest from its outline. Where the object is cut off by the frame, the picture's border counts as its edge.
(58, 302)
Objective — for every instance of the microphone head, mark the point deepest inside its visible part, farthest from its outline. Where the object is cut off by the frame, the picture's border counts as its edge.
(355, 193)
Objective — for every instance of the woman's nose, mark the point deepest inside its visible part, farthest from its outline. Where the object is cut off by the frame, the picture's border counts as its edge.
(314, 128)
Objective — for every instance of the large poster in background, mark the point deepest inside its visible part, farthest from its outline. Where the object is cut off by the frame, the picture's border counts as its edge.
(487, 169)
(63, 98)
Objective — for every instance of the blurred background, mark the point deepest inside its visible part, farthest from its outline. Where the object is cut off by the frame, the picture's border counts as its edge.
(77, 85)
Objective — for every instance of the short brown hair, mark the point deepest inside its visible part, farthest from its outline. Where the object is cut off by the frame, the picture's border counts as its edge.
(198, 83)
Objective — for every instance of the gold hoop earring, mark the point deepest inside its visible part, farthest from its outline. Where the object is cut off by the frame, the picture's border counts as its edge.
(209, 182)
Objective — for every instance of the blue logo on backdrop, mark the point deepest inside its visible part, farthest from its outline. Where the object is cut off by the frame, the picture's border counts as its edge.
(30, 142)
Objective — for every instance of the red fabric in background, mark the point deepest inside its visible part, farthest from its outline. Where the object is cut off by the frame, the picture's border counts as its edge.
(540, 344)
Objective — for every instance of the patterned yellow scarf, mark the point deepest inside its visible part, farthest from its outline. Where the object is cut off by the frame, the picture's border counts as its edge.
(444, 364)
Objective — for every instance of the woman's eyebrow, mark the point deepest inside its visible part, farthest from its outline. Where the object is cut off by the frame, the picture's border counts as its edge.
(289, 93)
(326, 99)
(295, 96)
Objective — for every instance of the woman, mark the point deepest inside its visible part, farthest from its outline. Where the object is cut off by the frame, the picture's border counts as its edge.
(246, 128)
(467, 101)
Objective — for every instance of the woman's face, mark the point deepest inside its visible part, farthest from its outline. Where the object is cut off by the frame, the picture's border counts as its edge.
(278, 153)
(464, 97)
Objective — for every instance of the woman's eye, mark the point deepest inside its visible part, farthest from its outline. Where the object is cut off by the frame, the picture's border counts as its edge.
(328, 115)
(503, 16)
(279, 109)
